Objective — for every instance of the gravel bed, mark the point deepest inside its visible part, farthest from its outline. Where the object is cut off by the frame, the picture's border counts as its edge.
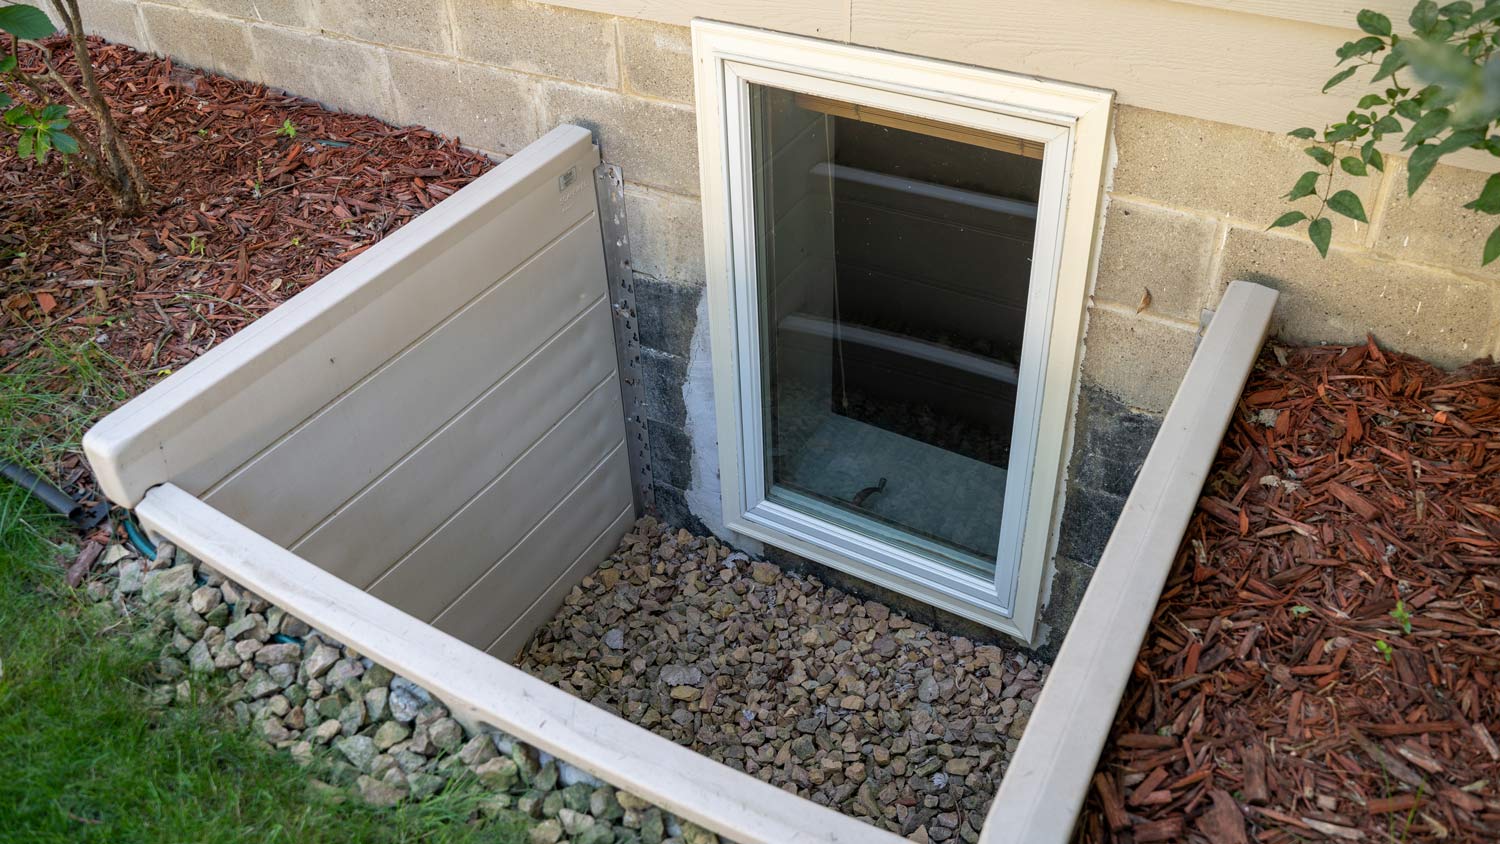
(360, 731)
(843, 701)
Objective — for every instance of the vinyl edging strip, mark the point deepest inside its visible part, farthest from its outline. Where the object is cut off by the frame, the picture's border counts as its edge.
(1047, 779)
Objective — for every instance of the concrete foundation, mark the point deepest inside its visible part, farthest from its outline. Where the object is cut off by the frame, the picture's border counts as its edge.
(1188, 205)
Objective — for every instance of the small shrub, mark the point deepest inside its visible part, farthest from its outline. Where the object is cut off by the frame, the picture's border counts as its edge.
(1440, 86)
(40, 124)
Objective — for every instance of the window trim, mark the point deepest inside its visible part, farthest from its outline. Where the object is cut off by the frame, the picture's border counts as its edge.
(1069, 120)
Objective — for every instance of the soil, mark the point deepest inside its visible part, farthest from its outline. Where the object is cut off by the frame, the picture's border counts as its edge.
(245, 213)
(842, 701)
(1323, 664)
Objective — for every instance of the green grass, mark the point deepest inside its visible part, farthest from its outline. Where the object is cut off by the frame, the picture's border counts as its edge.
(54, 393)
(84, 759)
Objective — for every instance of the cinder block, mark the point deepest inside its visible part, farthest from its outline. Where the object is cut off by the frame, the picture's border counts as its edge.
(486, 107)
(1221, 169)
(233, 8)
(200, 40)
(667, 315)
(418, 24)
(1433, 227)
(1139, 361)
(666, 234)
(284, 12)
(662, 377)
(1088, 519)
(339, 74)
(1069, 579)
(1434, 314)
(1110, 442)
(549, 40)
(671, 455)
(112, 20)
(657, 59)
(655, 143)
(1165, 252)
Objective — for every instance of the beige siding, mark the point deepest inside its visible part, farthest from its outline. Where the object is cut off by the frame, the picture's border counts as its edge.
(458, 377)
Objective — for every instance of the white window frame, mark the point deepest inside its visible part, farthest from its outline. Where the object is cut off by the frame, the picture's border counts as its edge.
(1072, 123)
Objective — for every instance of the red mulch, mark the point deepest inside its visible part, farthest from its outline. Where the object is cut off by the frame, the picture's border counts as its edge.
(1263, 705)
(243, 218)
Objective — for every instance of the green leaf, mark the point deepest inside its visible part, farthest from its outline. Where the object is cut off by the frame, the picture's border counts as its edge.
(1346, 203)
(1353, 165)
(1290, 218)
(1362, 47)
(5, 100)
(1304, 133)
(1459, 140)
(1342, 131)
(1320, 231)
(1422, 160)
(1409, 109)
(1459, 10)
(63, 143)
(26, 22)
(1371, 156)
(1489, 198)
(1339, 77)
(43, 146)
(1423, 16)
(1371, 100)
(25, 144)
(1307, 184)
(1320, 155)
(1373, 22)
(7, 64)
(1386, 125)
(1492, 246)
(54, 112)
(12, 115)
(1428, 125)
(1393, 61)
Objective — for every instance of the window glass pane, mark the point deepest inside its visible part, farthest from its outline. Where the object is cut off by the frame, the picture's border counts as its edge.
(894, 258)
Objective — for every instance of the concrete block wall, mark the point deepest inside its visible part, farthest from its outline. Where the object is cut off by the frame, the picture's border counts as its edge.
(1188, 203)
(1188, 206)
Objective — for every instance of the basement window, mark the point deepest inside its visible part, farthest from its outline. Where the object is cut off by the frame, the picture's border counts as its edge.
(898, 250)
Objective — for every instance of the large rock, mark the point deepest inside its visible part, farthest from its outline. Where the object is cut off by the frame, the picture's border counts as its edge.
(278, 654)
(478, 750)
(390, 733)
(379, 793)
(404, 702)
(446, 734)
(200, 659)
(499, 774)
(190, 623)
(359, 750)
(164, 583)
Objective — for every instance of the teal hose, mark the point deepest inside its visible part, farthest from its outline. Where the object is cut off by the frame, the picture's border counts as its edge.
(138, 539)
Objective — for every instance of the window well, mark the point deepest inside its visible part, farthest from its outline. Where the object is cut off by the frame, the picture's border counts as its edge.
(897, 254)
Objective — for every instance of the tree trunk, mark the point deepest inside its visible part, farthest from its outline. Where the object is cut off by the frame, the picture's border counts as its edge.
(114, 166)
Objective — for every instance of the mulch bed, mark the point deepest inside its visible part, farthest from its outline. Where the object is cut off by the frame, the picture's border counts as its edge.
(243, 219)
(1323, 662)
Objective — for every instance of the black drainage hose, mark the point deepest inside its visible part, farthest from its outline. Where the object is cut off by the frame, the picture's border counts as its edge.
(54, 498)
